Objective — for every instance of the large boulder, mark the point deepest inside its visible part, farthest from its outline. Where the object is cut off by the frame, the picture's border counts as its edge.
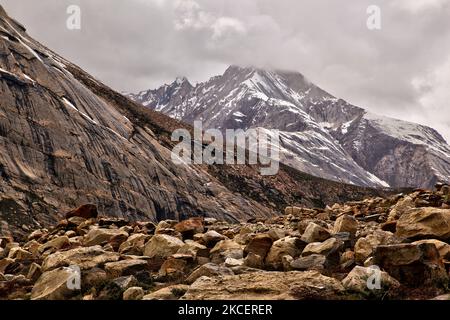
(311, 262)
(369, 281)
(346, 223)
(56, 244)
(134, 244)
(84, 258)
(315, 233)
(173, 292)
(162, 245)
(55, 285)
(414, 265)
(208, 270)
(175, 266)
(423, 223)
(365, 246)
(325, 248)
(260, 245)
(287, 246)
(402, 206)
(194, 249)
(97, 236)
(17, 253)
(190, 227)
(210, 238)
(443, 248)
(133, 293)
(265, 285)
(125, 267)
(226, 249)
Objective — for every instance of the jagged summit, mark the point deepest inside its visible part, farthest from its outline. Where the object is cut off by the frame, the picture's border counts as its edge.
(321, 134)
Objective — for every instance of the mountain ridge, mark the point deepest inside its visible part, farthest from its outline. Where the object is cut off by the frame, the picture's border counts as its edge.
(316, 127)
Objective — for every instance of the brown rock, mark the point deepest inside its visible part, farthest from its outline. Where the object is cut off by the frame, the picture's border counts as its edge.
(173, 267)
(194, 249)
(161, 245)
(253, 260)
(265, 285)
(311, 262)
(98, 236)
(208, 270)
(190, 227)
(315, 233)
(346, 223)
(133, 293)
(443, 248)
(423, 223)
(125, 267)
(56, 243)
(18, 253)
(260, 245)
(412, 265)
(35, 235)
(86, 211)
(35, 272)
(288, 246)
(173, 292)
(52, 285)
(365, 246)
(401, 207)
(226, 249)
(85, 258)
(211, 237)
(93, 277)
(326, 248)
(134, 244)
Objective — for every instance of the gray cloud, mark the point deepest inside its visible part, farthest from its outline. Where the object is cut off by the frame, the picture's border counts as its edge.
(402, 70)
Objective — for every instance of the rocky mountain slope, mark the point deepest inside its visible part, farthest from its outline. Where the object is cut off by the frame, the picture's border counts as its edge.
(379, 248)
(321, 134)
(66, 140)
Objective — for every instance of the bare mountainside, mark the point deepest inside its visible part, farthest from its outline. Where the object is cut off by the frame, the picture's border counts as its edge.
(66, 140)
(320, 134)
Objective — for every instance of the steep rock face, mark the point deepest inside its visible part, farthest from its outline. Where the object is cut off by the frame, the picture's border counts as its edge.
(320, 134)
(62, 145)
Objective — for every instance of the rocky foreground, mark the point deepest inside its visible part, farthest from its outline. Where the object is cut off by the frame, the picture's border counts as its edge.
(303, 254)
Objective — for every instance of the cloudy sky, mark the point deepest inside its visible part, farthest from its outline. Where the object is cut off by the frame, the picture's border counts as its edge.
(402, 70)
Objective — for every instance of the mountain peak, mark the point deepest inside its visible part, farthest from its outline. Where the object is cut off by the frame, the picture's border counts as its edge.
(3, 12)
(181, 80)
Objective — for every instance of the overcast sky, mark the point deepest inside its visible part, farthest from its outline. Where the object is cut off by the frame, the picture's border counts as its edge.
(402, 70)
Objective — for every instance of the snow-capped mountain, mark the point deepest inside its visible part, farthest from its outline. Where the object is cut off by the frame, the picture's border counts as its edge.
(320, 134)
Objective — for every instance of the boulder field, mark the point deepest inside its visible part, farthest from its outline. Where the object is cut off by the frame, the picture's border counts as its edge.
(379, 248)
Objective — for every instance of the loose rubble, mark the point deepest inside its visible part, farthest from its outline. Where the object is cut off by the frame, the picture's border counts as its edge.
(378, 248)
